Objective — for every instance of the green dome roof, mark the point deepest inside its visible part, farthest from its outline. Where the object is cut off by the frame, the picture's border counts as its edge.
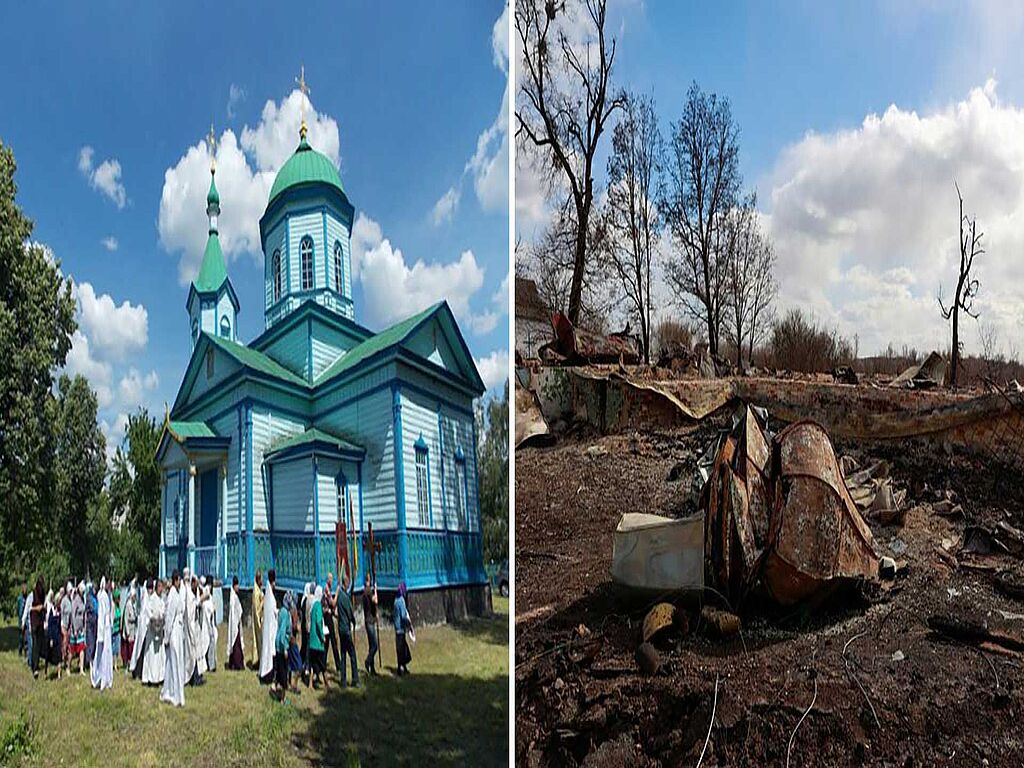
(213, 272)
(213, 196)
(306, 166)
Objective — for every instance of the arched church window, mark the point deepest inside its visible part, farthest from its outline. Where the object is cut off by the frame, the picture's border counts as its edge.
(195, 331)
(337, 267)
(275, 269)
(306, 260)
(225, 327)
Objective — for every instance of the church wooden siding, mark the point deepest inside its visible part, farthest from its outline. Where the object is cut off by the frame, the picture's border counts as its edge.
(268, 429)
(369, 421)
(292, 483)
(310, 225)
(459, 433)
(231, 425)
(226, 309)
(419, 420)
(275, 241)
(336, 232)
(291, 349)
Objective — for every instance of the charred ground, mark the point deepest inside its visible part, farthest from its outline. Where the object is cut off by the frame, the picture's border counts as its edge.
(581, 699)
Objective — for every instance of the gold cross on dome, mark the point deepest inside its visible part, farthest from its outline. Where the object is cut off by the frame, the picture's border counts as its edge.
(211, 143)
(305, 90)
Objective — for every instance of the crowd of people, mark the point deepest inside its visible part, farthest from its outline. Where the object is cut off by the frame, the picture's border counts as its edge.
(165, 632)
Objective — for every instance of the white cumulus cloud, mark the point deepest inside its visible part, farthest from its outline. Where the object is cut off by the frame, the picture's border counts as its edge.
(393, 288)
(488, 165)
(115, 330)
(493, 368)
(106, 177)
(81, 361)
(110, 243)
(246, 166)
(134, 385)
(865, 220)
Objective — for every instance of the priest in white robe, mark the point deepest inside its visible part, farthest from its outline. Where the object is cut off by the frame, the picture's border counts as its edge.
(235, 645)
(173, 691)
(141, 636)
(102, 670)
(269, 630)
(210, 625)
(154, 658)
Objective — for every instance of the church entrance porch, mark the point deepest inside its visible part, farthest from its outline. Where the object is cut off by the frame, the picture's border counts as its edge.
(193, 464)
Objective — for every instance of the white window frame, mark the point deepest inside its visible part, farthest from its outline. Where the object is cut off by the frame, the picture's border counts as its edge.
(338, 284)
(422, 487)
(306, 263)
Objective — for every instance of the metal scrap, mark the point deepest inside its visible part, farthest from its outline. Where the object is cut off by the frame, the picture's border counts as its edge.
(925, 375)
(577, 345)
(779, 513)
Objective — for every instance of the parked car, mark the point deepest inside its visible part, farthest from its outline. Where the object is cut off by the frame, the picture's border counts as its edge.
(501, 578)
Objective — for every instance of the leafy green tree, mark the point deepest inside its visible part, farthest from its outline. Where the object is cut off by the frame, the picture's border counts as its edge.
(493, 460)
(135, 495)
(80, 469)
(37, 319)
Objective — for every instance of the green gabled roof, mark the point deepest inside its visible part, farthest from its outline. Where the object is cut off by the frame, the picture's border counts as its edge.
(255, 360)
(305, 166)
(314, 435)
(182, 430)
(387, 338)
(213, 272)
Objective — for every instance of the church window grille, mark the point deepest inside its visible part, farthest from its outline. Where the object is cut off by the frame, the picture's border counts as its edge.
(276, 271)
(195, 331)
(337, 267)
(306, 260)
(422, 488)
(225, 327)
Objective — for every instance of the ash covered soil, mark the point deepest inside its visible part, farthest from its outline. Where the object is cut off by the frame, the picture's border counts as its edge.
(581, 699)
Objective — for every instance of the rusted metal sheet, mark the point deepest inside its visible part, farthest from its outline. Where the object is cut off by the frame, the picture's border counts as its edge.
(818, 538)
(925, 375)
(779, 512)
(579, 345)
(530, 424)
(738, 503)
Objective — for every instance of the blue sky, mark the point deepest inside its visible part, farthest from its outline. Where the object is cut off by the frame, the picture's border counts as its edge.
(855, 118)
(107, 109)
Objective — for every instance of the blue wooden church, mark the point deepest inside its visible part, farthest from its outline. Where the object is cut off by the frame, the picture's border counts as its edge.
(318, 419)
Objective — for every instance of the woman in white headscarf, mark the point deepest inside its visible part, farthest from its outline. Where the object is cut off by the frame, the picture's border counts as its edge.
(210, 625)
(102, 671)
(154, 659)
(77, 644)
(235, 647)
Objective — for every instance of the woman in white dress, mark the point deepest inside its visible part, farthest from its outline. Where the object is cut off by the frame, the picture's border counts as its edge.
(154, 660)
(173, 691)
(210, 624)
(102, 670)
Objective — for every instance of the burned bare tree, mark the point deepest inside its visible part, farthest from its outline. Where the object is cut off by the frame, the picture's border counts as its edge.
(966, 286)
(703, 185)
(749, 277)
(549, 261)
(631, 212)
(563, 106)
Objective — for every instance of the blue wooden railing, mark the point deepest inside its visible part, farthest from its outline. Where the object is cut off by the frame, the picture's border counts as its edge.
(437, 558)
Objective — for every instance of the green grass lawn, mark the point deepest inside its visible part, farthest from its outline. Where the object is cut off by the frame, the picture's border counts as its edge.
(452, 710)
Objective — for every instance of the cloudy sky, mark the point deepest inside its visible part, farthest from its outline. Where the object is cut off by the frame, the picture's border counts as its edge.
(855, 120)
(106, 114)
